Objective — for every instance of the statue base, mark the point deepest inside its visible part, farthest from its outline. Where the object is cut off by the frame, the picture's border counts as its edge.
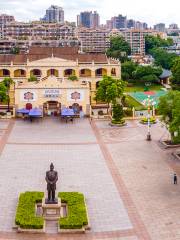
(47, 201)
(52, 210)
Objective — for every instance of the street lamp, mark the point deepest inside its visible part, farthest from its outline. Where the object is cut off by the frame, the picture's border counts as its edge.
(149, 102)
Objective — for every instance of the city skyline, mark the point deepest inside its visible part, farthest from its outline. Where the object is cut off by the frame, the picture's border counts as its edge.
(26, 11)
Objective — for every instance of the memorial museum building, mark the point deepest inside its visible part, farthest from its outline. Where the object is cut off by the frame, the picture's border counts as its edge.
(50, 78)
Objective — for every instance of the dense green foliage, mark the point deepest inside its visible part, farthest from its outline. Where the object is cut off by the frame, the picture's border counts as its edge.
(127, 69)
(25, 214)
(77, 215)
(118, 114)
(169, 108)
(73, 78)
(176, 75)
(119, 48)
(32, 78)
(4, 88)
(3, 93)
(147, 74)
(152, 42)
(110, 90)
(145, 120)
(163, 58)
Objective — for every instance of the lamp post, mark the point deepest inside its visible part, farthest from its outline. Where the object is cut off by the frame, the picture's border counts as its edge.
(149, 102)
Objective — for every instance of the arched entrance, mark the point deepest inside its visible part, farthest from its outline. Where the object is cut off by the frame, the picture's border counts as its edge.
(52, 72)
(51, 108)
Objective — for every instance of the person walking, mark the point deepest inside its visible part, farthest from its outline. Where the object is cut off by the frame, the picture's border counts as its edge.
(175, 178)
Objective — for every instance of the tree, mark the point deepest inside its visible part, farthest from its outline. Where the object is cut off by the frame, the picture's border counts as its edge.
(127, 69)
(3, 92)
(119, 48)
(118, 114)
(163, 58)
(32, 78)
(147, 74)
(152, 42)
(110, 90)
(169, 108)
(175, 80)
(7, 83)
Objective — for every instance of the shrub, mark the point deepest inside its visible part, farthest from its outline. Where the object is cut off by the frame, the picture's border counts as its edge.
(128, 112)
(25, 214)
(145, 120)
(32, 78)
(73, 78)
(118, 114)
(77, 215)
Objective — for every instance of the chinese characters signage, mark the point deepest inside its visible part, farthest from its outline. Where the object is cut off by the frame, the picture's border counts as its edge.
(51, 93)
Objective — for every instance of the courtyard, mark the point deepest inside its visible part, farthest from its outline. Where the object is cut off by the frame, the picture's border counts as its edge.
(127, 181)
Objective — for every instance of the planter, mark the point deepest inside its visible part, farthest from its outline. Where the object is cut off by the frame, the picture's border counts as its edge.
(176, 155)
(168, 144)
(146, 123)
(118, 124)
(23, 230)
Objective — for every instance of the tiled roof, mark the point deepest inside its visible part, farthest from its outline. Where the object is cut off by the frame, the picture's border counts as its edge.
(68, 53)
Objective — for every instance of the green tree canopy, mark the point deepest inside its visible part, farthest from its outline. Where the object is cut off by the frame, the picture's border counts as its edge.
(169, 108)
(152, 42)
(119, 48)
(3, 92)
(147, 73)
(163, 58)
(110, 90)
(176, 74)
(127, 69)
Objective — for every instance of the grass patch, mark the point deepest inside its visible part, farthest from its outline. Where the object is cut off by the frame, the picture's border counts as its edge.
(77, 215)
(131, 102)
(25, 214)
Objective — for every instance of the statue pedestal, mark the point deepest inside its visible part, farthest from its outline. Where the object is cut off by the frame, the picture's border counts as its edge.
(51, 211)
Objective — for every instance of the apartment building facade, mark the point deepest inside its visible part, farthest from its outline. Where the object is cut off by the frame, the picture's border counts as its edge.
(136, 39)
(93, 40)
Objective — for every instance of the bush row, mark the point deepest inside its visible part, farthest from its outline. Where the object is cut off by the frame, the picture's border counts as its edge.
(77, 214)
(25, 214)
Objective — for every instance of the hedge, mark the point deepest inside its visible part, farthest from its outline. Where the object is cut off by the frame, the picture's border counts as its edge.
(77, 215)
(25, 214)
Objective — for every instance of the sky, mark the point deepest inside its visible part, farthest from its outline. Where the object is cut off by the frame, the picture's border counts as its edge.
(152, 11)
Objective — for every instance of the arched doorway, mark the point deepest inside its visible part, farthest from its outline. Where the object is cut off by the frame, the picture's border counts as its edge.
(19, 73)
(4, 73)
(36, 72)
(51, 108)
(101, 72)
(52, 72)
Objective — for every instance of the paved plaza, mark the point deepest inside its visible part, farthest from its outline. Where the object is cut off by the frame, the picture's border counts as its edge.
(127, 181)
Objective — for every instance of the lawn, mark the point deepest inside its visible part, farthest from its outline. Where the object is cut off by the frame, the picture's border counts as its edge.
(131, 102)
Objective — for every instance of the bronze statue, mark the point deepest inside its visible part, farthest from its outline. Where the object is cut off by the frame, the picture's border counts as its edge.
(51, 179)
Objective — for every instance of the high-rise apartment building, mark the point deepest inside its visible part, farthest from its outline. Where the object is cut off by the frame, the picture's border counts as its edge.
(160, 27)
(173, 26)
(136, 39)
(120, 22)
(93, 40)
(131, 23)
(4, 18)
(54, 14)
(88, 19)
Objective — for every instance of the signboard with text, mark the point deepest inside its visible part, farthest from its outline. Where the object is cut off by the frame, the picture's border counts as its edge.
(52, 93)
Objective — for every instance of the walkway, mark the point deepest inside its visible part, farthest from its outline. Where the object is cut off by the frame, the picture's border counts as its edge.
(126, 180)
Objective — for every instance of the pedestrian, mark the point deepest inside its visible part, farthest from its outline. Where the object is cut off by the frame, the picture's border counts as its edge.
(175, 178)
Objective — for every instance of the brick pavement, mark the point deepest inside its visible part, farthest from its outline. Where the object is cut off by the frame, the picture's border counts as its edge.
(136, 173)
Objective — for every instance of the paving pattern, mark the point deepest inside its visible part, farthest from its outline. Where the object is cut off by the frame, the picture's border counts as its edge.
(127, 181)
